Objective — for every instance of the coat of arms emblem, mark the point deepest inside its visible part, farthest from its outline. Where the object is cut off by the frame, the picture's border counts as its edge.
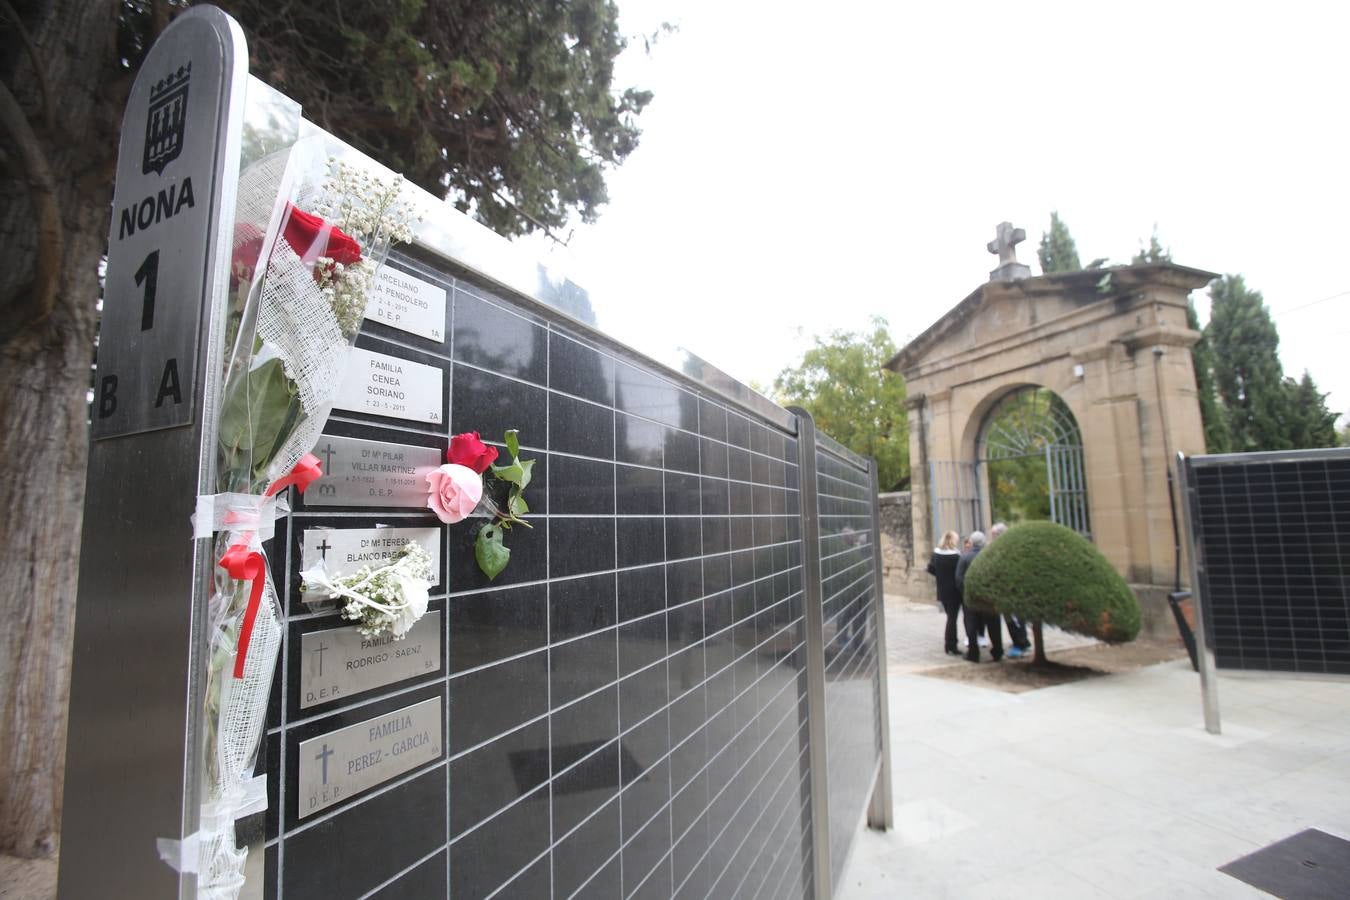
(164, 120)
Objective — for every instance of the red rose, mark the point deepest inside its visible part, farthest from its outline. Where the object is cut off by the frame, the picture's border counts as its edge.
(247, 245)
(305, 233)
(468, 450)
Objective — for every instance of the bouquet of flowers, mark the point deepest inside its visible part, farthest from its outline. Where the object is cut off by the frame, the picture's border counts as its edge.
(310, 235)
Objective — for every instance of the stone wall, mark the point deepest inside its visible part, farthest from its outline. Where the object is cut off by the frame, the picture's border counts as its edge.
(897, 542)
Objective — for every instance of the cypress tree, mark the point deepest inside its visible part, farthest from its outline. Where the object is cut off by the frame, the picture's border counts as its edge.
(1211, 412)
(1247, 368)
(1057, 252)
(1307, 421)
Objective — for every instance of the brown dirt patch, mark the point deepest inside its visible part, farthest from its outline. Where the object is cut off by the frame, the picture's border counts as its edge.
(1016, 676)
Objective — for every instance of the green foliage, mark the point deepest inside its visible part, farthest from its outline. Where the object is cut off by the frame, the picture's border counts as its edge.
(1057, 252)
(842, 384)
(1043, 572)
(509, 109)
(1211, 413)
(489, 551)
(1155, 252)
(1304, 415)
(1247, 370)
(1020, 489)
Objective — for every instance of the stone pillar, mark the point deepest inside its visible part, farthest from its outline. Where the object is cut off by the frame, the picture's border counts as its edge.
(920, 493)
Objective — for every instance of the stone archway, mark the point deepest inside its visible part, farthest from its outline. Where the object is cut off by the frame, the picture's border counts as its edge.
(1114, 345)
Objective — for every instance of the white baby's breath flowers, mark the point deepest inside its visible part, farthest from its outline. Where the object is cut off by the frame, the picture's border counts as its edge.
(368, 209)
(389, 598)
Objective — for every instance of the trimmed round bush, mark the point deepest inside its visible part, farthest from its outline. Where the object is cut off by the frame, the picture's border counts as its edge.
(1040, 571)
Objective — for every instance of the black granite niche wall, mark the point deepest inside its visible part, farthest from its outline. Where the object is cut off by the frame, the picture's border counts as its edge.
(623, 710)
(853, 719)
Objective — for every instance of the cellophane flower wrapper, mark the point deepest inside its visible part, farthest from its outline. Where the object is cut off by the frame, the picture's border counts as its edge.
(310, 235)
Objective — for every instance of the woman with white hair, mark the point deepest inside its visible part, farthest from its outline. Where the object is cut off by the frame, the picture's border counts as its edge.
(942, 566)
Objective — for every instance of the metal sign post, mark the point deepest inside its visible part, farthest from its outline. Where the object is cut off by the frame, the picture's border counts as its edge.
(135, 695)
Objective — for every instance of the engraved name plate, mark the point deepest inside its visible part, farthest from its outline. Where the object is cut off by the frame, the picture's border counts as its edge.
(389, 386)
(344, 550)
(359, 472)
(408, 303)
(340, 662)
(343, 763)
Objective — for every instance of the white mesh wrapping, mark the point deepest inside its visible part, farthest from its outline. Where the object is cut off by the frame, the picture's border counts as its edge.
(243, 702)
(298, 324)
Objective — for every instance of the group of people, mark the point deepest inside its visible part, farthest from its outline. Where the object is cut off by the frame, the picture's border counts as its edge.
(948, 565)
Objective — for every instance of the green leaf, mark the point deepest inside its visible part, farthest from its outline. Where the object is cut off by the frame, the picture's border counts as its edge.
(513, 441)
(518, 473)
(512, 473)
(256, 409)
(518, 505)
(491, 553)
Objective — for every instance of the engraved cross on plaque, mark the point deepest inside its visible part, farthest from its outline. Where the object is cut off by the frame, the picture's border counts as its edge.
(322, 756)
(324, 548)
(327, 454)
(320, 651)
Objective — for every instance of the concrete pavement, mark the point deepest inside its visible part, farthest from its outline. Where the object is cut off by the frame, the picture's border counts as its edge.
(1108, 787)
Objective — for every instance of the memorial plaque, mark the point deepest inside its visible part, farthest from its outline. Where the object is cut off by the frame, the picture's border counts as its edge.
(343, 763)
(408, 303)
(344, 550)
(341, 662)
(385, 385)
(164, 221)
(371, 473)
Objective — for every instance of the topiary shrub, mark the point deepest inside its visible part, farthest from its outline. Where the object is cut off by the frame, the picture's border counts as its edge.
(1043, 572)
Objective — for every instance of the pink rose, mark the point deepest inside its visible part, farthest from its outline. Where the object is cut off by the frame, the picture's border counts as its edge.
(454, 492)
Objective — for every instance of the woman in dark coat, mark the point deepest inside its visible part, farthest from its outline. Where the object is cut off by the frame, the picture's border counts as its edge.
(943, 567)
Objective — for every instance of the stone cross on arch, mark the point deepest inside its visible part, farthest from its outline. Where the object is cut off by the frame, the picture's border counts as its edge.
(1005, 245)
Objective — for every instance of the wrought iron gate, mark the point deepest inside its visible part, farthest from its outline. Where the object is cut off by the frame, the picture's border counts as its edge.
(1031, 422)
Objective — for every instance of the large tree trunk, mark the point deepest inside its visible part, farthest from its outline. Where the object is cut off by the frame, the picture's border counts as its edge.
(55, 191)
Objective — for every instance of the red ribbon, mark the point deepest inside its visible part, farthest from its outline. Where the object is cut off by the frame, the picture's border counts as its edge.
(243, 564)
(306, 470)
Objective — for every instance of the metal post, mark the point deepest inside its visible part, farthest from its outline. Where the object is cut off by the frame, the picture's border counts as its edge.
(136, 691)
(815, 656)
(880, 812)
(1209, 687)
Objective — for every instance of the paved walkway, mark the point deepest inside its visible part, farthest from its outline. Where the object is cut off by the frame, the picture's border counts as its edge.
(914, 636)
(1108, 787)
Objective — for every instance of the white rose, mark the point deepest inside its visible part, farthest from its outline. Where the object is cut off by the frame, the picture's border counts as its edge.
(413, 590)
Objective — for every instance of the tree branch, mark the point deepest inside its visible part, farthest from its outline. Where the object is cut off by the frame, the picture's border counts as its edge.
(42, 189)
(39, 71)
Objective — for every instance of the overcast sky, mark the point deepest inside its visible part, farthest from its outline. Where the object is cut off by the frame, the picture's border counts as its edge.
(805, 166)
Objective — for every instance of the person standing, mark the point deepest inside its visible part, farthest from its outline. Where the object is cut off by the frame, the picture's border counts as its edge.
(974, 619)
(942, 566)
(1017, 629)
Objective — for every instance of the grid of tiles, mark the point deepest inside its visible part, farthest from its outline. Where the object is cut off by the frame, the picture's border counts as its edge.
(848, 594)
(624, 708)
(1273, 540)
